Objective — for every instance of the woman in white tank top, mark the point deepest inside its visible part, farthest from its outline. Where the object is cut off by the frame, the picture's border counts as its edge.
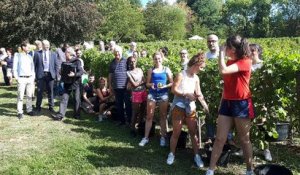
(186, 89)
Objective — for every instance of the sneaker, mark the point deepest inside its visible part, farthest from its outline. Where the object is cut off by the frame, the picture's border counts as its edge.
(249, 172)
(198, 161)
(144, 141)
(162, 141)
(210, 172)
(267, 155)
(170, 159)
(20, 116)
(31, 113)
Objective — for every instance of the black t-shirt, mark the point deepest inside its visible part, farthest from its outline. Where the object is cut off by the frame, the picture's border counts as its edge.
(89, 89)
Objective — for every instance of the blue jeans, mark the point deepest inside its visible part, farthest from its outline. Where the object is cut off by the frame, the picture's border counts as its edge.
(123, 96)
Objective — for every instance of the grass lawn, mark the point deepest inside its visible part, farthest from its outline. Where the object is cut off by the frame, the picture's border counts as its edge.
(39, 145)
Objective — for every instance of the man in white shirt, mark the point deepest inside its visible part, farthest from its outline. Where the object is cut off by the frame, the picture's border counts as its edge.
(23, 69)
(213, 46)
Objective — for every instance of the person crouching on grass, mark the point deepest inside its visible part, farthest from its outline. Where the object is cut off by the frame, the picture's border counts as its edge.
(186, 89)
(106, 99)
(236, 106)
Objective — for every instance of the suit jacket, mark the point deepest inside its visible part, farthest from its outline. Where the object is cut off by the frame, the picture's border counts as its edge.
(77, 78)
(39, 66)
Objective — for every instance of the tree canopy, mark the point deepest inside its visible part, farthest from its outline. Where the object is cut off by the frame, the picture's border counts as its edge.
(55, 20)
(126, 20)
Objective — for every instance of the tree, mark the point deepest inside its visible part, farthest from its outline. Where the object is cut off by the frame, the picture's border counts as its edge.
(261, 21)
(55, 20)
(121, 21)
(238, 16)
(285, 18)
(208, 12)
(136, 3)
(165, 22)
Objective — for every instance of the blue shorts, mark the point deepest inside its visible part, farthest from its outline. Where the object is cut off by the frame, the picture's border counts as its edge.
(237, 108)
(158, 97)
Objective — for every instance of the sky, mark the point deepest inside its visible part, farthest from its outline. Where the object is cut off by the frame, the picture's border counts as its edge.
(144, 2)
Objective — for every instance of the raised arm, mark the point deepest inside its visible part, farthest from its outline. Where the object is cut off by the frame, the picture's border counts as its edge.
(223, 68)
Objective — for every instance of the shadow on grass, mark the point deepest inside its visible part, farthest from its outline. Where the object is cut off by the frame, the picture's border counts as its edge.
(105, 129)
(140, 158)
(9, 88)
(8, 109)
(9, 95)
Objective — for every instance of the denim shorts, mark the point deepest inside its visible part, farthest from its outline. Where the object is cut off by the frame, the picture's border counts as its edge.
(237, 108)
(158, 97)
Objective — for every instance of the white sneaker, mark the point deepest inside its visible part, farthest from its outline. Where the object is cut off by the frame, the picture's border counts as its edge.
(210, 172)
(198, 161)
(267, 155)
(162, 141)
(249, 172)
(170, 159)
(144, 141)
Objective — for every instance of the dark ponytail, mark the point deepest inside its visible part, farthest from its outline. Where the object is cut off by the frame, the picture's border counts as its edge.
(240, 45)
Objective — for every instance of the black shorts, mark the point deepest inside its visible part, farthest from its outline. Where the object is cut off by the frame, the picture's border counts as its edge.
(237, 108)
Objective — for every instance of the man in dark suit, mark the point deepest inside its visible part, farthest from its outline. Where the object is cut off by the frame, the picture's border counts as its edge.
(46, 71)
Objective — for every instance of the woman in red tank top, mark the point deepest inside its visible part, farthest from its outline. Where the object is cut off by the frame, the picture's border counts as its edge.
(236, 108)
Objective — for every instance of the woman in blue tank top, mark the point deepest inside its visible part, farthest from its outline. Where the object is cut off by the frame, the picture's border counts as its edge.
(159, 80)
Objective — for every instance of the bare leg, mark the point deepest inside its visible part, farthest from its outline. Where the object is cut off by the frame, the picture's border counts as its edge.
(192, 126)
(163, 109)
(224, 124)
(101, 108)
(135, 113)
(243, 129)
(177, 125)
(150, 113)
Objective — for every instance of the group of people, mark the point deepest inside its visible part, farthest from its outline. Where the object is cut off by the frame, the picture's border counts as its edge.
(131, 92)
(37, 65)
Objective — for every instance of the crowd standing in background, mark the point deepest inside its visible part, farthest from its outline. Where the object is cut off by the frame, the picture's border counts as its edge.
(134, 98)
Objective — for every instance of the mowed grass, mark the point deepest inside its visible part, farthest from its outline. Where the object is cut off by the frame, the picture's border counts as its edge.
(39, 145)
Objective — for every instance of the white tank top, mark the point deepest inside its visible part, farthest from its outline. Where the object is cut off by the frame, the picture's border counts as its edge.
(187, 85)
